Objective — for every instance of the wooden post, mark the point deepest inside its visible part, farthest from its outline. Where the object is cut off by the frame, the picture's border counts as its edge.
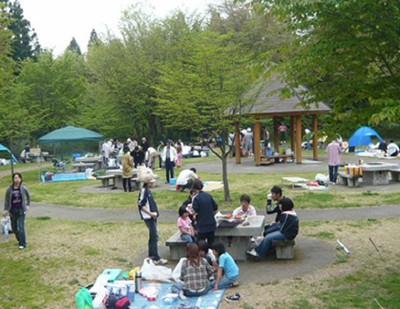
(315, 138)
(292, 133)
(238, 153)
(276, 134)
(256, 138)
(298, 139)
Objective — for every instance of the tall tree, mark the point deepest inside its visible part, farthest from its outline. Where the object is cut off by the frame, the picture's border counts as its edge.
(50, 91)
(74, 47)
(7, 67)
(347, 54)
(203, 86)
(94, 39)
(25, 41)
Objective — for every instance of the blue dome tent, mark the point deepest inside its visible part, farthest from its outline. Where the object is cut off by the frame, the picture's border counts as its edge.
(363, 137)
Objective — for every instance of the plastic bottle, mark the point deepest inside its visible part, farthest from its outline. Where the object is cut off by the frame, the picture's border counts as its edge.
(138, 281)
(5, 222)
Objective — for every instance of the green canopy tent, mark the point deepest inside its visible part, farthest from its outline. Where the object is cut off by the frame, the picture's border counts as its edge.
(70, 134)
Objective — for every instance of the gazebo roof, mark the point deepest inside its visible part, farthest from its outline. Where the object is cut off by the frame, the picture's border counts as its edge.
(270, 102)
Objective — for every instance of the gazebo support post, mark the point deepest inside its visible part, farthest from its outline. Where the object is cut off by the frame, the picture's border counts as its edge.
(238, 153)
(257, 142)
(276, 134)
(298, 139)
(292, 133)
(315, 138)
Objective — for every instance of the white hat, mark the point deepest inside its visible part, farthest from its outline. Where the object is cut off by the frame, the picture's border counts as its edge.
(248, 129)
(128, 140)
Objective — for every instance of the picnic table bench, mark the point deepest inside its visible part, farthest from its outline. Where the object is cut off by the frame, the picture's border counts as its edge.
(177, 246)
(105, 180)
(395, 173)
(348, 180)
(81, 167)
(266, 160)
(284, 249)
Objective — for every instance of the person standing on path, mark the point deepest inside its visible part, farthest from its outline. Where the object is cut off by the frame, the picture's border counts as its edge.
(16, 203)
(127, 170)
(205, 208)
(149, 213)
(333, 150)
(169, 157)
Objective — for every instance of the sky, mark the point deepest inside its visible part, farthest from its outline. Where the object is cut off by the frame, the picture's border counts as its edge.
(56, 22)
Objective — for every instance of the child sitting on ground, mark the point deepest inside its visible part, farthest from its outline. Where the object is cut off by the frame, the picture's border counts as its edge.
(207, 253)
(228, 271)
(185, 226)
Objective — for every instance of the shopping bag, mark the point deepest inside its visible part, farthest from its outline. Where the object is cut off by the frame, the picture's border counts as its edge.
(83, 299)
(150, 271)
(176, 273)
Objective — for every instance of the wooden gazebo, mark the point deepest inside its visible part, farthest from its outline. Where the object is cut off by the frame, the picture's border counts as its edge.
(270, 103)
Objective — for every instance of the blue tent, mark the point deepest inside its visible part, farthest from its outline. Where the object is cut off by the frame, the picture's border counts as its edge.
(363, 137)
(9, 155)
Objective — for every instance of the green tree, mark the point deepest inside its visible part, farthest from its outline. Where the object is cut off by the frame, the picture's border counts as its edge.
(7, 68)
(25, 41)
(94, 39)
(74, 47)
(50, 91)
(347, 54)
(203, 86)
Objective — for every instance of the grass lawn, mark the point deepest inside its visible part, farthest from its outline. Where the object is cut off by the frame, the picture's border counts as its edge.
(256, 185)
(63, 255)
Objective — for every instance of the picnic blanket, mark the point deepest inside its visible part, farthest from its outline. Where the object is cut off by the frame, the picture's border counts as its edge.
(212, 185)
(65, 177)
(209, 301)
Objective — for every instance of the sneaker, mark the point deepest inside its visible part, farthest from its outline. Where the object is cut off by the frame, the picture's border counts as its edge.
(161, 262)
(252, 252)
(234, 284)
(233, 298)
(21, 247)
(181, 295)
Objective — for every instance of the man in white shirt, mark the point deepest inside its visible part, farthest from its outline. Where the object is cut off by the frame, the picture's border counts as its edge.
(186, 178)
(245, 210)
(169, 158)
(105, 152)
(392, 149)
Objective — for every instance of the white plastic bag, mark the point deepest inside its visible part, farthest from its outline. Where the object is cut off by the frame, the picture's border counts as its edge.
(176, 273)
(155, 272)
(322, 177)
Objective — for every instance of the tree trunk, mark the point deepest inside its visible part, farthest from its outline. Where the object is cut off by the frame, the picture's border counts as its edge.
(225, 178)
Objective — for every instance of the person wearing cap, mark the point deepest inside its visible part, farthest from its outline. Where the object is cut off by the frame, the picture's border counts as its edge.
(149, 213)
(169, 157)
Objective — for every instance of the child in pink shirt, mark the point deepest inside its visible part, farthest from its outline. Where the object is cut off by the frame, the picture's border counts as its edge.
(185, 226)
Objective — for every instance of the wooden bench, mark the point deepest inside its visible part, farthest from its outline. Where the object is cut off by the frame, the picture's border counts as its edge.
(105, 180)
(177, 246)
(348, 180)
(276, 159)
(284, 249)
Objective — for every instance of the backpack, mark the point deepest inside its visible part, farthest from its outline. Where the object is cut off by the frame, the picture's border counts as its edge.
(123, 303)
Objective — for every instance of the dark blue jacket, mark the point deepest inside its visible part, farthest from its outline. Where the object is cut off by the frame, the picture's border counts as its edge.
(205, 207)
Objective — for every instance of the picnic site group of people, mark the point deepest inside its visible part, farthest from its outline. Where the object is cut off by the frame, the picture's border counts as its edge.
(133, 155)
(208, 265)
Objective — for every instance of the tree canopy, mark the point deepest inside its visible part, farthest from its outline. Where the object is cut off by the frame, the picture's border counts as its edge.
(347, 54)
